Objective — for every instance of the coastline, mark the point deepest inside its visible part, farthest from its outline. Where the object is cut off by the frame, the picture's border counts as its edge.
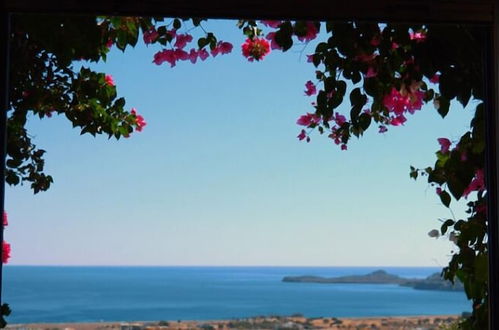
(262, 322)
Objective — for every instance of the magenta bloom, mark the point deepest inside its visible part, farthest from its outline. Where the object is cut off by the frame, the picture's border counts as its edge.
(302, 135)
(477, 184)
(225, 47)
(399, 120)
(139, 120)
(5, 219)
(438, 190)
(109, 80)
(339, 119)
(203, 54)
(371, 72)
(406, 101)
(418, 36)
(272, 24)
(343, 147)
(435, 79)
(255, 49)
(308, 120)
(193, 56)
(444, 145)
(382, 129)
(310, 88)
(166, 55)
(311, 32)
(5, 252)
(150, 36)
(222, 47)
(181, 54)
(181, 40)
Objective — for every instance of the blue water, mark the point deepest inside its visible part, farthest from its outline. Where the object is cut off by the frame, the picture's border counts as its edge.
(77, 294)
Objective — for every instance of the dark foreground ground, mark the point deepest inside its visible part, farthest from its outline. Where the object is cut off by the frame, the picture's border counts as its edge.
(270, 322)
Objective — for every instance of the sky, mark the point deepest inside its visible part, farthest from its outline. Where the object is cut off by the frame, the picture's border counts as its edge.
(218, 176)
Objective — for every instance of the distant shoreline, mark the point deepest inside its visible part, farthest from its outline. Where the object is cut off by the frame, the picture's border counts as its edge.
(260, 322)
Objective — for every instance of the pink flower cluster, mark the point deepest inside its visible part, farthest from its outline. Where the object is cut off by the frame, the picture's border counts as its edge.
(5, 246)
(403, 101)
(308, 120)
(150, 36)
(310, 88)
(172, 56)
(477, 184)
(109, 80)
(255, 49)
(139, 120)
(311, 120)
(419, 36)
(444, 145)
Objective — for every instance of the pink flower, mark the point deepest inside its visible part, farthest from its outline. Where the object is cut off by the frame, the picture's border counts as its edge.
(395, 45)
(109, 80)
(311, 32)
(5, 219)
(418, 36)
(203, 54)
(5, 252)
(225, 47)
(438, 190)
(343, 147)
(193, 55)
(435, 79)
(371, 72)
(310, 58)
(255, 49)
(181, 40)
(405, 100)
(308, 120)
(150, 36)
(273, 44)
(477, 184)
(382, 129)
(339, 119)
(399, 120)
(444, 145)
(166, 55)
(302, 135)
(139, 120)
(109, 43)
(270, 23)
(310, 88)
(222, 47)
(181, 54)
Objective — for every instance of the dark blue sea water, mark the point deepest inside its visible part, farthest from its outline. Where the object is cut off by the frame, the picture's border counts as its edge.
(70, 294)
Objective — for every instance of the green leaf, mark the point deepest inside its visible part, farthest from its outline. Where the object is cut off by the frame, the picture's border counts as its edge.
(177, 24)
(364, 121)
(445, 198)
(446, 225)
(443, 106)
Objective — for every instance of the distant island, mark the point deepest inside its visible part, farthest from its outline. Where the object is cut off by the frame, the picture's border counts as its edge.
(432, 282)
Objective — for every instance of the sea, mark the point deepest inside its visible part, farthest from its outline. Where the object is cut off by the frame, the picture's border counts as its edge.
(90, 294)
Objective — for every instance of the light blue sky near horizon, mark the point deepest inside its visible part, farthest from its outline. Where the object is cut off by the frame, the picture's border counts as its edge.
(218, 176)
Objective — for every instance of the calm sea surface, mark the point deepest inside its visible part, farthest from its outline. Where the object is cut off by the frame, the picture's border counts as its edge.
(64, 294)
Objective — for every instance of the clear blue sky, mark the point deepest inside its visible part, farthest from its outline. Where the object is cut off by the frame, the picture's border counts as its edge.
(218, 177)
